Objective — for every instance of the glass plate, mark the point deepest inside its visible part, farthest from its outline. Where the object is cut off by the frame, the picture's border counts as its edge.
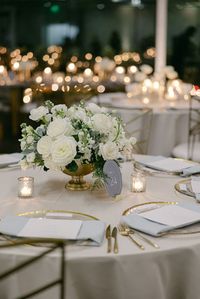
(187, 184)
(148, 206)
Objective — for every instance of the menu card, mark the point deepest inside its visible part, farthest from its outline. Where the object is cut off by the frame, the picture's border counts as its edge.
(51, 228)
(172, 215)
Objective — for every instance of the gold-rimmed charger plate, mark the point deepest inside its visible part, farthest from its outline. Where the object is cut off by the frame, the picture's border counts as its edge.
(187, 184)
(72, 215)
(147, 206)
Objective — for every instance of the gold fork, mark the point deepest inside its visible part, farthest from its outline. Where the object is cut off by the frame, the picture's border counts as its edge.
(132, 231)
(125, 233)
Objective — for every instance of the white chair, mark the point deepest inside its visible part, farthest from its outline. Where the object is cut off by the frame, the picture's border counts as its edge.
(191, 149)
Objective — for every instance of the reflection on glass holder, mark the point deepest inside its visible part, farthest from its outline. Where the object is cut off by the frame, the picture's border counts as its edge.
(138, 182)
(25, 187)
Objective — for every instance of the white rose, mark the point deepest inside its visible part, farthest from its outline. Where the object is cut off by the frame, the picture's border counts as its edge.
(63, 150)
(109, 150)
(38, 113)
(48, 163)
(30, 157)
(44, 146)
(59, 127)
(102, 123)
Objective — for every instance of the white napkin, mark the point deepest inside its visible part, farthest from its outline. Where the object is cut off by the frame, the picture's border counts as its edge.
(195, 183)
(169, 164)
(9, 159)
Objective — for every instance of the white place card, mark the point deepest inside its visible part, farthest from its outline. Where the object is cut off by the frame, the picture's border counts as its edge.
(169, 164)
(51, 228)
(172, 215)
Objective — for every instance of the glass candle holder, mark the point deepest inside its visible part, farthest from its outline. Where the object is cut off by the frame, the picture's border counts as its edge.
(25, 186)
(138, 182)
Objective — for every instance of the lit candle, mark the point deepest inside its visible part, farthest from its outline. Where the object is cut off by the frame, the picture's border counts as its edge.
(25, 186)
(138, 183)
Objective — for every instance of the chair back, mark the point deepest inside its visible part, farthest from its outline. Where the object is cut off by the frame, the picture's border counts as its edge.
(50, 246)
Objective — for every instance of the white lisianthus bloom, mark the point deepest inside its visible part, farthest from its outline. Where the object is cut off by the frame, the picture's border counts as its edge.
(109, 150)
(147, 69)
(29, 139)
(24, 164)
(102, 123)
(44, 146)
(59, 109)
(30, 157)
(59, 126)
(63, 150)
(38, 113)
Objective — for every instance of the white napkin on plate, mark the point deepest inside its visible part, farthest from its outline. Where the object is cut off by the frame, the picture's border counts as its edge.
(9, 159)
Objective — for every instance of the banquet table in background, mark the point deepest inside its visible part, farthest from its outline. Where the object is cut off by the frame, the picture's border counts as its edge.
(169, 125)
(170, 272)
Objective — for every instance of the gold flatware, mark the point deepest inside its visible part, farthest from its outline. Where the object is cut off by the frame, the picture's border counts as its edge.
(125, 233)
(114, 235)
(108, 237)
(132, 231)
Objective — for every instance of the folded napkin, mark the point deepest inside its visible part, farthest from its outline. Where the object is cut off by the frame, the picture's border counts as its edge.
(9, 159)
(190, 171)
(147, 226)
(195, 184)
(92, 230)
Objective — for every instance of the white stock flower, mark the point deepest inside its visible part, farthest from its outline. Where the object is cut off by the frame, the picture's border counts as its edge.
(59, 108)
(63, 150)
(30, 157)
(29, 139)
(48, 163)
(102, 123)
(23, 145)
(38, 113)
(24, 164)
(44, 146)
(109, 150)
(59, 126)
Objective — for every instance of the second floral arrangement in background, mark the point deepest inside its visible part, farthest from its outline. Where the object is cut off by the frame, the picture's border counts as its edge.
(67, 137)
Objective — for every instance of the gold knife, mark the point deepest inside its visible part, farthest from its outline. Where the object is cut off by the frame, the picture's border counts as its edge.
(114, 235)
(108, 237)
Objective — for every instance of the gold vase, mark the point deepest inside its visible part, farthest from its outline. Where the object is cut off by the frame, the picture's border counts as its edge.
(77, 181)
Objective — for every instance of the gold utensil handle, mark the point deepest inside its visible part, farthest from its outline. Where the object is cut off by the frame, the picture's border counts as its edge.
(136, 242)
(109, 245)
(149, 241)
(116, 248)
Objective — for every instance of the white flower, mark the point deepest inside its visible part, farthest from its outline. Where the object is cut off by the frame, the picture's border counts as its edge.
(48, 163)
(63, 150)
(44, 146)
(147, 69)
(59, 108)
(30, 157)
(29, 139)
(59, 126)
(38, 113)
(23, 145)
(24, 164)
(102, 123)
(109, 150)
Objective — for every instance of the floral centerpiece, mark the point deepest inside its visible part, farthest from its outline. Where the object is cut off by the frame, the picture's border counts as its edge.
(65, 138)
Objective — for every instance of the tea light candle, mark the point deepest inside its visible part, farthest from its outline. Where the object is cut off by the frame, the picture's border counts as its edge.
(138, 183)
(25, 186)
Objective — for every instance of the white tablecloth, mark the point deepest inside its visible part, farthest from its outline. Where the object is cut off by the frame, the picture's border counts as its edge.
(170, 272)
(169, 125)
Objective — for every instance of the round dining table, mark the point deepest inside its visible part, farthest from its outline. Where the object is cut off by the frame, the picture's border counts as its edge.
(168, 272)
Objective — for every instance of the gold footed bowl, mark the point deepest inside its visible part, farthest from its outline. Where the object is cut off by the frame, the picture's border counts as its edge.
(77, 182)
